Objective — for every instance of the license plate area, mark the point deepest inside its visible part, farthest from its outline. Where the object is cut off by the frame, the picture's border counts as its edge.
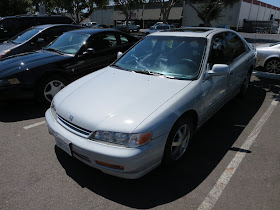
(63, 144)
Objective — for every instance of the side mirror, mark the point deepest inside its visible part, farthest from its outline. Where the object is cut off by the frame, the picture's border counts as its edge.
(89, 51)
(218, 70)
(40, 40)
(119, 54)
(152, 27)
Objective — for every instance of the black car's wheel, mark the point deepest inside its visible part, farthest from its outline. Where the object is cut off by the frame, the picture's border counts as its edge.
(48, 87)
(273, 66)
(245, 85)
(178, 140)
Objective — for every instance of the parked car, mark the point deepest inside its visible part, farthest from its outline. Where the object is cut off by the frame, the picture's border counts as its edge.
(131, 27)
(145, 108)
(91, 24)
(159, 27)
(34, 39)
(12, 25)
(72, 55)
(268, 57)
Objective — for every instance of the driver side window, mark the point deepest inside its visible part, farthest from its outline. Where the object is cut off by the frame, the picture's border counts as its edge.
(103, 42)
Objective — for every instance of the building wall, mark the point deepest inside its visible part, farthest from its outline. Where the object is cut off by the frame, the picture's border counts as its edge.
(229, 16)
(256, 10)
(103, 16)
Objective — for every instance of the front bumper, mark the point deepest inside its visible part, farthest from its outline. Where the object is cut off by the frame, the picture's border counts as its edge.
(15, 92)
(136, 162)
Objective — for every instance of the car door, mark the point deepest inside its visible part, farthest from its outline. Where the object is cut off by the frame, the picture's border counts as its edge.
(214, 88)
(237, 57)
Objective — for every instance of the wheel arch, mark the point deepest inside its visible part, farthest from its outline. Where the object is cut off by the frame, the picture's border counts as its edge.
(271, 58)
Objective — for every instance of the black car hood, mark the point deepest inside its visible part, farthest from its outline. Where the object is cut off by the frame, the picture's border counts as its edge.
(6, 46)
(28, 61)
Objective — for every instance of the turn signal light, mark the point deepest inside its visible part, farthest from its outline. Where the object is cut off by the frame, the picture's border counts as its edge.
(109, 165)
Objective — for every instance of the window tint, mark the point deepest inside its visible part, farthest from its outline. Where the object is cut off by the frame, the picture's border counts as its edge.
(123, 39)
(225, 48)
(103, 41)
(236, 45)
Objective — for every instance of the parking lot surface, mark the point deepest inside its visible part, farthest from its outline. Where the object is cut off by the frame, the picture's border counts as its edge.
(35, 174)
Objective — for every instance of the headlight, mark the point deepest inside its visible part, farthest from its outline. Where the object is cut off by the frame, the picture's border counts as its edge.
(53, 109)
(125, 139)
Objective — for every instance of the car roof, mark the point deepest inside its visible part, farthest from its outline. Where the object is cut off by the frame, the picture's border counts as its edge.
(53, 25)
(190, 32)
(92, 31)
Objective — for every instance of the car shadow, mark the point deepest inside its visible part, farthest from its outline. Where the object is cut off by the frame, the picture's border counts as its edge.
(18, 110)
(164, 185)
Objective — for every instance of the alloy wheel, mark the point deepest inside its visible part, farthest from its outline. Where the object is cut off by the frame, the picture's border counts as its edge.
(180, 142)
(273, 66)
(52, 88)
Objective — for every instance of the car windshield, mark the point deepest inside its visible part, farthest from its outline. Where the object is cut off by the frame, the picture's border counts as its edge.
(24, 36)
(68, 43)
(173, 57)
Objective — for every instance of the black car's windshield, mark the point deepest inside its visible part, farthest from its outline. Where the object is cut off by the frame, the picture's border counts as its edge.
(24, 36)
(174, 57)
(68, 43)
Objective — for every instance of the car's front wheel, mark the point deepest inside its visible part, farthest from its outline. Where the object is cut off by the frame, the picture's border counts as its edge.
(245, 85)
(178, 140)
(48, 87)
(273, 66)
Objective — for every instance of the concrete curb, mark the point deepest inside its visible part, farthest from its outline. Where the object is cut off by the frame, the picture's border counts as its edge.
(266, 75)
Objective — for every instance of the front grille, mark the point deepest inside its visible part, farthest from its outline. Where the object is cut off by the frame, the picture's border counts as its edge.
(73, 128)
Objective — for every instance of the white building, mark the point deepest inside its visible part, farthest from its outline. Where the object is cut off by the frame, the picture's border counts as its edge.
(251, 10)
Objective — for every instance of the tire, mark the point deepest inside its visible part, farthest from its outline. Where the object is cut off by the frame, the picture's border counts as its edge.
(273, 66)
(245, 86)
(178, 141)
(48, 87)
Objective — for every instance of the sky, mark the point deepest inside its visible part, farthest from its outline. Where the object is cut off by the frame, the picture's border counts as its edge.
(272, 2)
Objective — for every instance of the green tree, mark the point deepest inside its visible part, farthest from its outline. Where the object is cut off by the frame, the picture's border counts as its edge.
(127, 7)
(210, 9)
(14, 7)
(165, 7)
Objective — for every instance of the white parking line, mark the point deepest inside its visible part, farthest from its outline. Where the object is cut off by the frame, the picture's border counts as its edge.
(34, 125)
(220, 185)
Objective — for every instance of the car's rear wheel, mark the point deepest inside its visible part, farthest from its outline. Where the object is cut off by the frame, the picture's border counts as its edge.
(178, 140)
(273, 66)
(48, 87)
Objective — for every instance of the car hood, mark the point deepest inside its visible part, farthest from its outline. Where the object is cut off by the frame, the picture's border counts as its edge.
(115, 100)
(27, 61)
(6, 46)
(263, 46)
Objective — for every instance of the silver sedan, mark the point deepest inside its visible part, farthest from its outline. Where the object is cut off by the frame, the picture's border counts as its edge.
(144, 109)
(268, 56)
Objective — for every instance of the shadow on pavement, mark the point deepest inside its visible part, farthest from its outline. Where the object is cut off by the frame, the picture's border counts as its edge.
(165, 185)
(18, 110)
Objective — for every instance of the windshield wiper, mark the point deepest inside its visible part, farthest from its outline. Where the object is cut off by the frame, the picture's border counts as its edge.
(119, 67)
(55, 50)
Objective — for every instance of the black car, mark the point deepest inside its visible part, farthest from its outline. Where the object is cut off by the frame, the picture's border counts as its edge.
(72, 55)
(12, 25)
(34, 38)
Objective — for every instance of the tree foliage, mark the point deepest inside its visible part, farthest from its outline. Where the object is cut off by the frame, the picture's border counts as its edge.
(14, 7)
(127, 8)
(165, 7)
(210, 9)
